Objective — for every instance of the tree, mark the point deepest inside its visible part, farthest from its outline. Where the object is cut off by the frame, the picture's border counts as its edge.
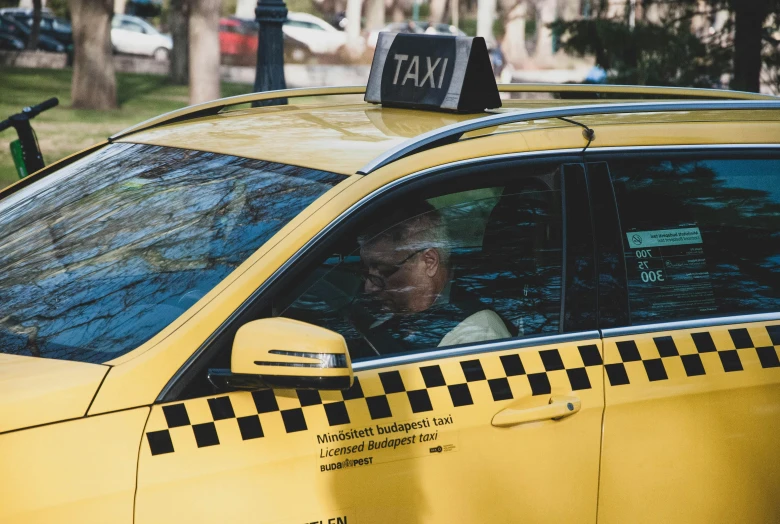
(545, 16)
(486, 13)
(204, 50)
(513, 43)
(749, 18)
(180, 28)
(770, 75)
(375, 14)
(94, 80)
(35, 30)
(438, 9)
(665, 51)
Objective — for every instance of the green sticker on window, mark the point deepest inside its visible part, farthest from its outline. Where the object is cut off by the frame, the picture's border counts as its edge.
(664, 237)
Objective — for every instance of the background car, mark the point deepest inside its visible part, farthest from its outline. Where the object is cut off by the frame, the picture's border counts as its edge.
(136, 36)
(238, 39)
(22, 31)
(10, 43)
(51, 26)
(318, 35)
(410, 26)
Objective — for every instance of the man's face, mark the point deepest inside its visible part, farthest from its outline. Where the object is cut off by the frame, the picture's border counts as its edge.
(402, 277)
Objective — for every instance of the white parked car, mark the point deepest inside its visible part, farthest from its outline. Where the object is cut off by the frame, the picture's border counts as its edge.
(136, 36)
(414, 27)
(316, 33)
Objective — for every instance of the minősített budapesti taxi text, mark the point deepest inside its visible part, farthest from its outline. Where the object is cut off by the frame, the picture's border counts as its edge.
(430, 299)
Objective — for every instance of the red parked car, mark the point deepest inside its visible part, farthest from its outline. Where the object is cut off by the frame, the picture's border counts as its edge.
(238, 40)
(238, 43)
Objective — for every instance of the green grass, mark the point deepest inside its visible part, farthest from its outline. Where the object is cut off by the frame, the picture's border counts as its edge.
(63, 130)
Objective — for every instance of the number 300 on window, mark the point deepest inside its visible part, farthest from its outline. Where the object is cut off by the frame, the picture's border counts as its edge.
(652, 276)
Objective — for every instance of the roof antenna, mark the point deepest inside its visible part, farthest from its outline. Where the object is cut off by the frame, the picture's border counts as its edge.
(587, 132)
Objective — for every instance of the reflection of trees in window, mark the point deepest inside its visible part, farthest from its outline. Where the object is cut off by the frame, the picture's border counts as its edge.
(103, 255)
(736, 206)
(517, 270)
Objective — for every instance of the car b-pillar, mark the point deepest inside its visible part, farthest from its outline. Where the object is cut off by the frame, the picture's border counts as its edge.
(270, 15)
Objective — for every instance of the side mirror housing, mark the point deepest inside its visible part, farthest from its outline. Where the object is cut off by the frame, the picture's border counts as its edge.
(284, 353)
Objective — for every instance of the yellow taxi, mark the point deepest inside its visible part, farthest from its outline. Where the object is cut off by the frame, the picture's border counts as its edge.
(424, 300)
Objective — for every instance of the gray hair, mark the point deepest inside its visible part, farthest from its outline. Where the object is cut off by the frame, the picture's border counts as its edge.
(423, 231)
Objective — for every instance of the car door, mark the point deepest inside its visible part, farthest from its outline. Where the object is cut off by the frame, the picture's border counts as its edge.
(500, 427)
(692, 331)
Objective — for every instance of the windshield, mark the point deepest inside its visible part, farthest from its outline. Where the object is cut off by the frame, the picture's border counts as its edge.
(102, 255)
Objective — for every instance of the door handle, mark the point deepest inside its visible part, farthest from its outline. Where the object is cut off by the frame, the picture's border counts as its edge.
(560, 406)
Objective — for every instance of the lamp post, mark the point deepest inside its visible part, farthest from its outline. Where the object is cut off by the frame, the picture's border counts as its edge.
(270, 15)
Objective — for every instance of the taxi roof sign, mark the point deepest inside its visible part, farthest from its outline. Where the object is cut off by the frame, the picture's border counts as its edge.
(450, 73)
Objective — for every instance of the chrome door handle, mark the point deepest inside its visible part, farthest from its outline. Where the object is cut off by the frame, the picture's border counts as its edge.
(560, 406)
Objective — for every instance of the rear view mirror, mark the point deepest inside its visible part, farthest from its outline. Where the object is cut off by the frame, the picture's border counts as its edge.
(284, 353)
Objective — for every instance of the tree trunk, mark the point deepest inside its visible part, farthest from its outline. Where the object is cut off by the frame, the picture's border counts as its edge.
(35, 30)
(486, 13)
(94, 81)
(545, 11)
(180, 33)
(455, 12)
(438, 8)
(375, 14)
(749, 16)
(204, 50)
(513, 45)
(354, 7)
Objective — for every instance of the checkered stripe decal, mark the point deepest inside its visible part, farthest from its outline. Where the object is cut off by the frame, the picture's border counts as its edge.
(508, 372)
(667, 349)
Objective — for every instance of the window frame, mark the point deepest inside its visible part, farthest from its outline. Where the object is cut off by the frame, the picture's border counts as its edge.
(320, 243)
(645, 153)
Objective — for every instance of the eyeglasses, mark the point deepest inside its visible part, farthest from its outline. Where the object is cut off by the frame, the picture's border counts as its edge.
(380, 280)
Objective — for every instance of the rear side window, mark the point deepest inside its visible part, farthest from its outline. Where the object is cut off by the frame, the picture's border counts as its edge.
(700, 238)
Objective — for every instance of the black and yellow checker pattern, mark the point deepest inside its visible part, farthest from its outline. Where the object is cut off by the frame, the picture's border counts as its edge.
(691, 354)
(437, 386)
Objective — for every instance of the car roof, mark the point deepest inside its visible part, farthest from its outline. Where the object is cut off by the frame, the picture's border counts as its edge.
(333, 137)
(338, 132)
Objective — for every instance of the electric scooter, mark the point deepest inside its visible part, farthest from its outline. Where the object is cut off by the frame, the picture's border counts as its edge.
(25, 151)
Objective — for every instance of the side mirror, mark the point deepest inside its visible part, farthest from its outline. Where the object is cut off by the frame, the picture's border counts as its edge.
(288, 354)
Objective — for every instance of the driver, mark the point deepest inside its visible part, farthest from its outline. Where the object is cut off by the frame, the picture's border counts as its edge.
(407, 269)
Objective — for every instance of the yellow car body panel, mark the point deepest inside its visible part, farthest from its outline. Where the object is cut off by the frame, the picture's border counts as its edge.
(36, 391)
(710, 426)
(76, 471)
(256, 460)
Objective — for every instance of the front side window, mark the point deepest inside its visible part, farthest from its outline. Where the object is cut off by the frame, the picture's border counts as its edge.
(132, 26)
(701, 238)
(61, 26)
(100, 256)
(442, 269)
